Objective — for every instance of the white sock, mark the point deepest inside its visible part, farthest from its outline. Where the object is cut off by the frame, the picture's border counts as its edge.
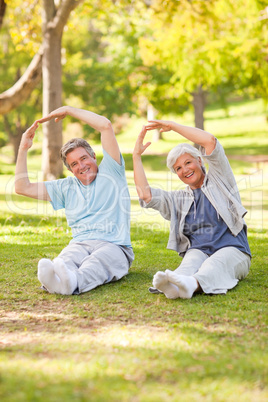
(186, 284)
(161, 282)
(46, 275)
(56, 277)
(68, 279)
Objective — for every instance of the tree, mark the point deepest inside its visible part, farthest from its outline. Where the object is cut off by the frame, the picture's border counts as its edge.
(54, 20)
(49, 58)
(2, 11)
(95, 78)
(21, 38)
(22, 89)
(17, 107)
(203, 44)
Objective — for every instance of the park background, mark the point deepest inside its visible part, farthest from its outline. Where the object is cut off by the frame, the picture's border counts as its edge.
(202, 63)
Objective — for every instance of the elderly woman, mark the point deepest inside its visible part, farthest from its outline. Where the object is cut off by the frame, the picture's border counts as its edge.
(206, 218)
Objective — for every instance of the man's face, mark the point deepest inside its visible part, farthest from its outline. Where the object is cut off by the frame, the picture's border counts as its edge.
(82, 165)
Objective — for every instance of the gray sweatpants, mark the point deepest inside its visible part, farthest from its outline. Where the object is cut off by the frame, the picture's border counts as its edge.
(96, 262)
(216, 273)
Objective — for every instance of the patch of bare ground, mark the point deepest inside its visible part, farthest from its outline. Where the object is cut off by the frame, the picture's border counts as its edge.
(49, 316)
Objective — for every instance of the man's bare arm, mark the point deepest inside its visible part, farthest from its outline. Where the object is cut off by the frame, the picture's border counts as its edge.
(96, 121)
(23, 185)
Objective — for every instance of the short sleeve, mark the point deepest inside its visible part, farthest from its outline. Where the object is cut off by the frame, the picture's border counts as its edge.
(110, 165)
(55, 189)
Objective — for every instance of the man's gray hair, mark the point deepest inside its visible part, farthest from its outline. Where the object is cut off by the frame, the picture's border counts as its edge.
(182, 149)
(73, 144)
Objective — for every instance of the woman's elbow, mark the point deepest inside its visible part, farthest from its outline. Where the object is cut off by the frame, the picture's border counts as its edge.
(145, 196)
(147, 199)
(210, 144)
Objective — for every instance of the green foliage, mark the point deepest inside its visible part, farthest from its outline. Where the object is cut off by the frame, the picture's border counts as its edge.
(20, 35)
(23, 21)
(212, 44)
(93, 64)
(120, 55)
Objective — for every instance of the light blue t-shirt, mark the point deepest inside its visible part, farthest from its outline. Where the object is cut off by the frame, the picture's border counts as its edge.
(207, 231)
(100, 210)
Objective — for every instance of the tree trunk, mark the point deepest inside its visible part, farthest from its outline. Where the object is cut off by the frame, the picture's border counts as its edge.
(52, 94)
(14, 135)
(15, 141)
(199, 103)
(151, 112)
(2, 11)
(54, 21)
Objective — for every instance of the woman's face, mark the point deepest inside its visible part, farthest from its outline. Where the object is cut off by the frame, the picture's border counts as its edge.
(189, 170)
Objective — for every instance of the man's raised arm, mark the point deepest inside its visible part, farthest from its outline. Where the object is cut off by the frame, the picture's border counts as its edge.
(96, 121)
(23, 185)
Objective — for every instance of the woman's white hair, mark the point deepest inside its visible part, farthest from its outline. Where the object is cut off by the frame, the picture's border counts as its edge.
(182, 149)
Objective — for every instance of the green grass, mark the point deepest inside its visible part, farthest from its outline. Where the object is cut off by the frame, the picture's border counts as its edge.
(119, 342)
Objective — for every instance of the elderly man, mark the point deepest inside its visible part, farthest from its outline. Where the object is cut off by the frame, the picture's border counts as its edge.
(97, 208)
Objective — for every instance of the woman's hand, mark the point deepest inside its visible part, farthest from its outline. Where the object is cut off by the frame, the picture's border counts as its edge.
(162, 125)
(139, 146)
(57, 115)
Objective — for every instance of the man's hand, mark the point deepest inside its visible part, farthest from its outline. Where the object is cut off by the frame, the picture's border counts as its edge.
(28, 136)
(57, 115)
(139, 146)
(163, 125)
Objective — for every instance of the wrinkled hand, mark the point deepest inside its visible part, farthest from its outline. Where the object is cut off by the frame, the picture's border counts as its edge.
(57, 115)
(162, 125)
(139, 146)
(28, 136)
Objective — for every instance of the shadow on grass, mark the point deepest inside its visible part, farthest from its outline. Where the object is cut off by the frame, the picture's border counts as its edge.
(16, 220)
(127, 373)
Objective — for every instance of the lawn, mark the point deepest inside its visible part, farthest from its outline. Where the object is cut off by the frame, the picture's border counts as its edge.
(119, 342)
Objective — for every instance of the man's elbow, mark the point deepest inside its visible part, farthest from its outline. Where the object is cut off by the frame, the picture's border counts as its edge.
(19, 189)
(106, 124)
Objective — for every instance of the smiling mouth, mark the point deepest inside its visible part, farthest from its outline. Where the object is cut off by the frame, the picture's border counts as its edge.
(85, 171)
(189, 175)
